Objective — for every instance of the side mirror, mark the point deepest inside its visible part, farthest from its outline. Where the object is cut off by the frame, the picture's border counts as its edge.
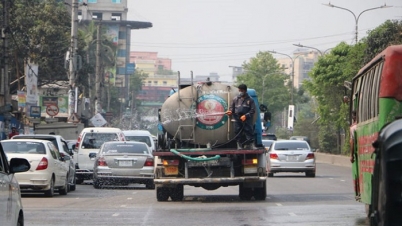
(18, 165)
(92, 156)
(65, 158)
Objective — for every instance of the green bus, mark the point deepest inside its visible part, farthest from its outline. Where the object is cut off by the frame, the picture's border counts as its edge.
(376, 96)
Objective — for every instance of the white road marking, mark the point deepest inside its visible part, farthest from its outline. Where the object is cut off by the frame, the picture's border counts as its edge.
(343, 180)
(116, 214)
(134, 193)
(268, 197)
(129, 198)
(123, 205)
(331, 178)
(278, 204)
(293, 214)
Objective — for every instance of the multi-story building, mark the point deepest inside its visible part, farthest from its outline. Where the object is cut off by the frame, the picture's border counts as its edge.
(303, 60)
(112, 14)
(150, 63)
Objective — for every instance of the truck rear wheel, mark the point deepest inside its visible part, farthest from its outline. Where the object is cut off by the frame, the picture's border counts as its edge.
(177, 193)
(261, 193)
(162, 194)
(79, 181)
(245, 193)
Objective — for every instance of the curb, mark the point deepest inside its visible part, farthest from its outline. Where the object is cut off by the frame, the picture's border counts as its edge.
(339, 160)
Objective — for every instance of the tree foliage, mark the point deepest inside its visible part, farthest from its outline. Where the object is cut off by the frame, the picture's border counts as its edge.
(264, 75)
(39, 31)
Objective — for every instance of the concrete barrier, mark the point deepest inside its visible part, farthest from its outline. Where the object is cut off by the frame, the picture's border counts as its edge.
(339, 160)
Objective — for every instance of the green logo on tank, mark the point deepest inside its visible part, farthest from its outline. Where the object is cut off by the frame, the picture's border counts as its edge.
(210, 112)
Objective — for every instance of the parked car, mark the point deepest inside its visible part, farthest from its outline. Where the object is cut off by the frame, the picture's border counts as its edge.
(269, 136)
(62, 146)
(49, 170)
(291, 156)
(11, 211)
(267, 144)
(123, 162)
(89, 142)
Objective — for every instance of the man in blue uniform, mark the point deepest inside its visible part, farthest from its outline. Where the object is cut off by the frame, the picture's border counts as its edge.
(243, 109)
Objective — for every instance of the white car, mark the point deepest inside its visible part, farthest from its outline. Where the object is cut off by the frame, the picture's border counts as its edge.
(89, 141)
(291, 156)
(11, 211)
(49, 170)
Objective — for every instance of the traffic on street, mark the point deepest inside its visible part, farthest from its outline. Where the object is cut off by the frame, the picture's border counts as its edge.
(292, 199)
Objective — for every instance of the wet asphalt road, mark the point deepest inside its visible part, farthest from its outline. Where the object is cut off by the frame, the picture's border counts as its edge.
(292, 199)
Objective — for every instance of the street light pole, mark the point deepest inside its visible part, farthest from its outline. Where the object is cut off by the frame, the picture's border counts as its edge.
(303, 46)
(354, 15)
(293, 70)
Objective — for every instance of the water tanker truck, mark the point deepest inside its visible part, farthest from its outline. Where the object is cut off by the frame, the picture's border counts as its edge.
(197, 147)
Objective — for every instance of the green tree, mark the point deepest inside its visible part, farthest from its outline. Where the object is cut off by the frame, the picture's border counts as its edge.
(39, 31)
(388, 33)
(327, 86)
(264, 74)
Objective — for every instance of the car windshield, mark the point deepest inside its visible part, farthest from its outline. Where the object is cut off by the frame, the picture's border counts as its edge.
(110, 148)
(143, 139)
(291, 146)
(95, 140)
(24, 147)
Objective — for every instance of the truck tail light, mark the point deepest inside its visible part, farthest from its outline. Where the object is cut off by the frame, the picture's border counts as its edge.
(42, 164)
(172, 162)
(149, 162)
(78, 142)
(102, 162)
(250, 161)
(273, 156)
(310, 156)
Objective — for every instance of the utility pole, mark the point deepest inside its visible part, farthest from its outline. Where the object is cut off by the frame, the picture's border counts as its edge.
(4, 33)
(98, 79)
(73, 65)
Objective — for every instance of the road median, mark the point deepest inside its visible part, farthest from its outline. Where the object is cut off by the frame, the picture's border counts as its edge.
(339, 160)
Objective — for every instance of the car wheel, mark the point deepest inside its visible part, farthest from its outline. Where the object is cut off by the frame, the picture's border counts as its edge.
(72, 186)
(64, 189)
(162, 194)
(98, 184)
(150, 185)
(177, 193)
(270, 174)
(20, 221)
(310, 174)
(245, 193)
(50, 192)
(261, 193)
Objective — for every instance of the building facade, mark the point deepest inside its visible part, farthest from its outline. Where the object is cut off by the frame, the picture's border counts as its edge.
(304, 60)
(112, 15)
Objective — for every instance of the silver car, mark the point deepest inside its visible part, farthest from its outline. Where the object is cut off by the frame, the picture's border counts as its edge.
(291, 156)
(123, 162)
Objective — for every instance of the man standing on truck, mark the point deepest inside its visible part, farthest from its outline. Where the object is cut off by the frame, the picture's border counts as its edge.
(243, 109)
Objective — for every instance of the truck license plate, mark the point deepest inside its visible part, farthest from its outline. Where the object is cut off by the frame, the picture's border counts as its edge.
(171, 170)
(125, 163)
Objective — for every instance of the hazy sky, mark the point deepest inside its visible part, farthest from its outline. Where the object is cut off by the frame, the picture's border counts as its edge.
(210, 35)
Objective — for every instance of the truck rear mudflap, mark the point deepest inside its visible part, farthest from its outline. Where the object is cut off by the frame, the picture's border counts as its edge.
(228, 180)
